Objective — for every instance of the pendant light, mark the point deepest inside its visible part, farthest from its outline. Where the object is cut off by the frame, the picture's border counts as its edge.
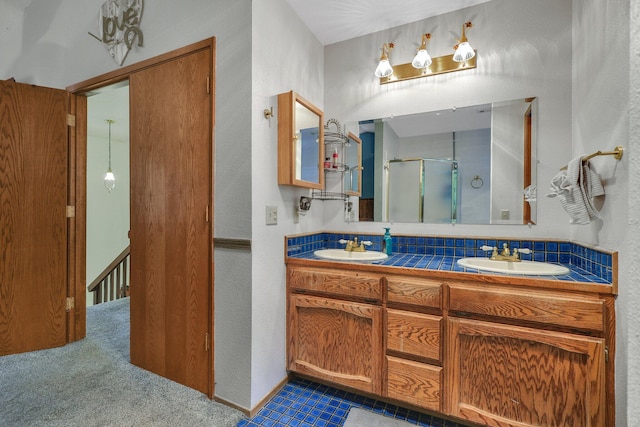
(109, 178)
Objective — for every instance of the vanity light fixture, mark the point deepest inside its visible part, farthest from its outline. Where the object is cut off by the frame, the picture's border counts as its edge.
(109, 178)
(423, 65)
(384, 68)
(422, 58)
(463, 50)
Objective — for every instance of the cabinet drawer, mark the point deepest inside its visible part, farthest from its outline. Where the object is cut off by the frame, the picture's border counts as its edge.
(409, 290)
(336, 282)
(415, 383)
(573, 311)
(414, 333)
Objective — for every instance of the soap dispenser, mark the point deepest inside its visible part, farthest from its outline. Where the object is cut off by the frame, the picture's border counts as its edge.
(387, 242)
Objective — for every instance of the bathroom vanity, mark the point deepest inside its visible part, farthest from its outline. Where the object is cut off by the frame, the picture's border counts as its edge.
(486, 348)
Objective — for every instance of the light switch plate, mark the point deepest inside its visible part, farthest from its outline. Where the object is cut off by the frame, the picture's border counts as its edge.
(271, 215)
(504, 214)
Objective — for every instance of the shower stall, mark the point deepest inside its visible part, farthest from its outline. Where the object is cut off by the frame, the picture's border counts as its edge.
(422, 190)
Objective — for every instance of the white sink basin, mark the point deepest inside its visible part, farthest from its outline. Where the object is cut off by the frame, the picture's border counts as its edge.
(510, 267)
(342, 255)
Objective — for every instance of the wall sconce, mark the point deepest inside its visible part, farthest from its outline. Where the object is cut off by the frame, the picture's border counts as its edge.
(422, 58)
(109, 178)
(423, 65)
(463, 50)
(384, 67)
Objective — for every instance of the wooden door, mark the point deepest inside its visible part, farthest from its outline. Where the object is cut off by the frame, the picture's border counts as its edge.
(171, 188)
(33, 220)
(516, 376)
(335, 340)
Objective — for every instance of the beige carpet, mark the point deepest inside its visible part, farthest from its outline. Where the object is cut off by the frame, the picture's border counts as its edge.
(90, 383)
(362, 418)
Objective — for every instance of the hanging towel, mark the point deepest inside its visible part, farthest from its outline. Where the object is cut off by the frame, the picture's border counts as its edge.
(576, 189)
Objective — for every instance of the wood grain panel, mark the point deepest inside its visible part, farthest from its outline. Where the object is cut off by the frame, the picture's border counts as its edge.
(532, 305)
(414, 333)
(508, 375)
(171, 188)
(336, 282)
(415, 383)
(337, 341)
(33, 223)
(408, 290)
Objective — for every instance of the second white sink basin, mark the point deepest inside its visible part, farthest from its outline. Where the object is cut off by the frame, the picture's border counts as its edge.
(342, 255)
(510, 267)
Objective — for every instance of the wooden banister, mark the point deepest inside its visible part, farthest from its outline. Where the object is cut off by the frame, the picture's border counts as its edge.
(113, 282)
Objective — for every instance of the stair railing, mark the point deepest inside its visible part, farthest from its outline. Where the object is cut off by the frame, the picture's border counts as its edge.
(113, 282)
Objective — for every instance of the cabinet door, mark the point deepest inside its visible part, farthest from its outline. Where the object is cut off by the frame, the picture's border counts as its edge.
(336, 341)
(514, 376)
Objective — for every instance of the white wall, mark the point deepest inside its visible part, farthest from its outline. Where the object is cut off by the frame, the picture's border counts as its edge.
(628, 331)
(286, 56)
(605, 88)
(524, 49)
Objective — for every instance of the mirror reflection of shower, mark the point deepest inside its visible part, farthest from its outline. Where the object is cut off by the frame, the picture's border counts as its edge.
(422, 190)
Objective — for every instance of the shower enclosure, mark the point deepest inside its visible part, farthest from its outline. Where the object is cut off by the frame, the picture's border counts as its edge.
(422, 190)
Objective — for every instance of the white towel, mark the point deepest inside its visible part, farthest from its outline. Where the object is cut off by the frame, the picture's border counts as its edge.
(576, 189)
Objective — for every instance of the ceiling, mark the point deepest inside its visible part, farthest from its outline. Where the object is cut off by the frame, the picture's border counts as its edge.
(333, 21)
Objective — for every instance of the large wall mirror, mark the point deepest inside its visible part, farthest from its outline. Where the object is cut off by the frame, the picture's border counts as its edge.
(300, 142)
(469, 165)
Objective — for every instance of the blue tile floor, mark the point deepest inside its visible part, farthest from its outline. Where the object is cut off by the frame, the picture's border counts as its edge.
(302, 403)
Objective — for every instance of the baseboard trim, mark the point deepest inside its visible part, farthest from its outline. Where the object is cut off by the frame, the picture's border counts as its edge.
(245, 411)
(252, 412)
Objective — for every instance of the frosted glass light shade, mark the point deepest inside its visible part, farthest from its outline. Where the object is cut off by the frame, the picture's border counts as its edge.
(109, 181)
(384, 68)
(464, 52)
(422, 59)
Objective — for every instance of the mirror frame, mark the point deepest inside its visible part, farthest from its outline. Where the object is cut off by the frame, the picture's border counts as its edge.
(287, 147)
(530, 173)
(352, 138)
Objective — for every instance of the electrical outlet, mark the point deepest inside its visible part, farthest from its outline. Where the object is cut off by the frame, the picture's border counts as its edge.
(504, 214)
(271, 215)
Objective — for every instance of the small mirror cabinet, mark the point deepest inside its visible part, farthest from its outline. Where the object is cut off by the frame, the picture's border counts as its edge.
(300, 142)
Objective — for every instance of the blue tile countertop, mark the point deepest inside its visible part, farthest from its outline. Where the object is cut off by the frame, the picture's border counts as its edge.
(586, 265)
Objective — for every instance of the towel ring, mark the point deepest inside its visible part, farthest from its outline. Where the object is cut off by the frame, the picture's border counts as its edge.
(477, 182)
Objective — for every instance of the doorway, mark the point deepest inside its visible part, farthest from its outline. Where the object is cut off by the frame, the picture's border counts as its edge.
(108, 220)
(171, 103)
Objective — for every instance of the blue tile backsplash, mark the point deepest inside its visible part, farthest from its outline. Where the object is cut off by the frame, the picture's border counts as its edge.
(441, 253)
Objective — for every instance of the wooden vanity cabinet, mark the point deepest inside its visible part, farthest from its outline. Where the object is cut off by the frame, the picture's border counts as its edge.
(494, 354)
(502, 373)
(335, 327)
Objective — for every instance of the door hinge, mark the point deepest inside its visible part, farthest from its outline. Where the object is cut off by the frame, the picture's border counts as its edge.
(606, 354)
(71, 211)
(70, 303)
(208, 84)
(206, 341)
(71, 120)
(206, 214)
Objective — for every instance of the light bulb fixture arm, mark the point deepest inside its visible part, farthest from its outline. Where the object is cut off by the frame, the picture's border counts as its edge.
(463, 39)
(109, 178)
(425, 39)
(386, 49)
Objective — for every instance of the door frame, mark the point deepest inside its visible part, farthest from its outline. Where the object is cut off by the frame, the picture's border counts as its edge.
(78, 188)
